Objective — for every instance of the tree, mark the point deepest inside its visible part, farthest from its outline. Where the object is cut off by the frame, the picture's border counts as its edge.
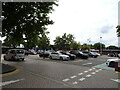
(112, 47)
(84, 46)
(118, 30)
(25, 18)
(64, 42)
(75, 45)
(99, 45)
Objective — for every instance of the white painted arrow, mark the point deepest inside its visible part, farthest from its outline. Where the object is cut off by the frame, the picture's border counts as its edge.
(116, 80)
(9, 82)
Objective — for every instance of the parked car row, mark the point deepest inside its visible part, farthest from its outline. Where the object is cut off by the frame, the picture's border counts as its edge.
(72, 54)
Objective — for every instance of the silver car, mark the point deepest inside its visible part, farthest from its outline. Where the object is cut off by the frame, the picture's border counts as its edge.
(15, 54)
(57, 55)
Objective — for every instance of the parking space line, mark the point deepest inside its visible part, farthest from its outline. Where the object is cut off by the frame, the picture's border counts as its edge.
(75, 82)
(65, 80)
(73, 77)
(88, 75)
(90, 70)
(93, 73)
(80, 73)
(85, 71)
(81, 79)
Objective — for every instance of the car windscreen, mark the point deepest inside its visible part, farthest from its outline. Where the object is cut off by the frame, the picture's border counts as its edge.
(20, 51)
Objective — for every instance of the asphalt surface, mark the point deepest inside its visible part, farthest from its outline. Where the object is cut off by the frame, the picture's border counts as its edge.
(36, 72)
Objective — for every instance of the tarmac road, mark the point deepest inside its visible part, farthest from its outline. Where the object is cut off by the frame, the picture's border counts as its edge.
(36, 72)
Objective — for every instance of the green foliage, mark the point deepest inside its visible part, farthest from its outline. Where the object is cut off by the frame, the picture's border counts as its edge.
(65, 42)
(112, 47)
(118, 30)
(99, 45)
(75, 45)
(28, 18)
(85, 46)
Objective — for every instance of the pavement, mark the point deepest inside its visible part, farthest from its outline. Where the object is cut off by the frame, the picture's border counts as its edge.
(6, 68)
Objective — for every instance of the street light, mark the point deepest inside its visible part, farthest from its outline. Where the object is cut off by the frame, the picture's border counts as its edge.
(89, 40)
(100, 45)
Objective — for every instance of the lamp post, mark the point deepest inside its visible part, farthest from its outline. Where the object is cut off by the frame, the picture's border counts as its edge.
(100, 45)
(89, 40)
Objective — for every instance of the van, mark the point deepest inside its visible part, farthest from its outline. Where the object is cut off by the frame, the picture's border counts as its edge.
(15, 54)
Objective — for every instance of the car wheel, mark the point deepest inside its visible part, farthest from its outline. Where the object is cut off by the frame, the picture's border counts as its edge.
(50, 57)
(112, 64)
(23, 59)
(61, 58)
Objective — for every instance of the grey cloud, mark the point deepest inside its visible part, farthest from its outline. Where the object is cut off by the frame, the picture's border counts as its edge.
(106, 29)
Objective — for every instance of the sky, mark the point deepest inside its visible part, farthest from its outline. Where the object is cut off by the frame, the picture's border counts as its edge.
(86, 19)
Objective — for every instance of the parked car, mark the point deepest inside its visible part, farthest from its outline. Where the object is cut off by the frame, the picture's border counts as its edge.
(91, 54)
(111, 62)
(57, 55)
(31, 52)
(15, 54)
(79, 54)
(111, 54)
(45, 54)
(72, 56)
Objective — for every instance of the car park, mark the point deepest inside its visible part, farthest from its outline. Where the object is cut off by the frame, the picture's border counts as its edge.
(60, 56)
(15, 54)
(79, 54)
(72, 56)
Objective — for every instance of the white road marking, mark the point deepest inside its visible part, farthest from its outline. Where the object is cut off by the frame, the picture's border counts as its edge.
(97, 71)
(85, 71)
(75, 82)
(81, 79)
(93, 68)
(10, 82)
(80, 73)
(87, 63)
(93, 72)
(73, 76)
(90, 70)
(100, 69)
(88, 75)
(65, 80)
(116, 80)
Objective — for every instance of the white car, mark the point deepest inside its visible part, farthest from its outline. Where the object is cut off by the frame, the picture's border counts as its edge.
(15, 54)
(111, 62)
(57, 55)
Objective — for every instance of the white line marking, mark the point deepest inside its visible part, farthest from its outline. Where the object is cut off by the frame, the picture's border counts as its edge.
(65, 80)
(90, 70)
(10, 82)
(93, 68)
(100, 69)
(93, 72)
(80, 73)
(97, 71)
(81, 79)
(88, 75)
(85, 71)
(87, 63)
(75, 82)
(116, 80)
(73, 76)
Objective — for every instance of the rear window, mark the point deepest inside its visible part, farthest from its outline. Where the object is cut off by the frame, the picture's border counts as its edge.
(20, 51)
